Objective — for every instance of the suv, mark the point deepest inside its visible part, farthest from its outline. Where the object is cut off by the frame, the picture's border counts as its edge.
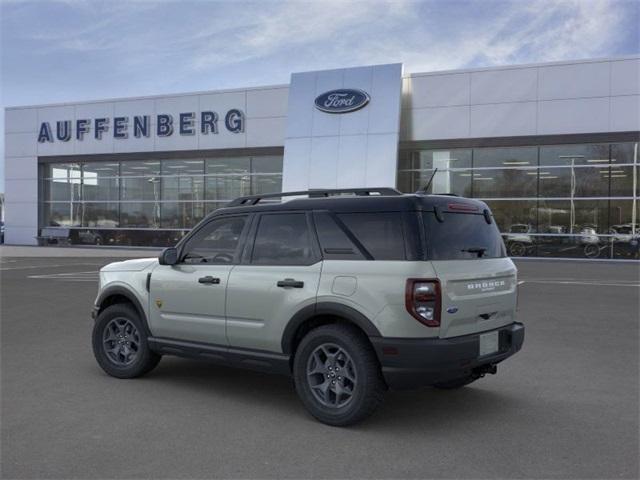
(351, 292)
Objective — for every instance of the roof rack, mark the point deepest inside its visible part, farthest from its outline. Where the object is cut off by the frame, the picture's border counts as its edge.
(361, 192)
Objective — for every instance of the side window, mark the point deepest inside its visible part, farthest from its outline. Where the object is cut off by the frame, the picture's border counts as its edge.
(334, 242)
(216, 243)
(380, 233)
(283, 239)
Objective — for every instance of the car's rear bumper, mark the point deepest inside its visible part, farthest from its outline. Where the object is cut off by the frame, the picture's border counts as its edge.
(415, 362)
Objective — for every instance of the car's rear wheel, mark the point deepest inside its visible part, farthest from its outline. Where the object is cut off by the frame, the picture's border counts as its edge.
(337, 375)
(120, 343)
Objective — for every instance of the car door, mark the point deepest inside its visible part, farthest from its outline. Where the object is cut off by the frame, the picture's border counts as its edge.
(187, 300)
(279, 276)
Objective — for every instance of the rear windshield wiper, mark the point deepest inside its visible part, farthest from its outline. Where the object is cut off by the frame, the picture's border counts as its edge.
(478, 250)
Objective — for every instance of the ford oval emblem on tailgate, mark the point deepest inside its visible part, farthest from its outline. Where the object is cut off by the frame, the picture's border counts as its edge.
(452, 309)
(342, 101)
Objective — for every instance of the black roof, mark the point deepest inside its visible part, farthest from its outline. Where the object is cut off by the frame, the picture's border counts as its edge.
(361, 200)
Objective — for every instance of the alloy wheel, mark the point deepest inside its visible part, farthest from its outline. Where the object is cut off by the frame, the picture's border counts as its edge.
(331, 375)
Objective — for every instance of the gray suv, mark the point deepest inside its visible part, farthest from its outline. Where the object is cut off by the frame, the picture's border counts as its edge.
(350, 292)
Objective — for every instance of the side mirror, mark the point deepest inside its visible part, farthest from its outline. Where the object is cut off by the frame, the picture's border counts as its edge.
(169, 256)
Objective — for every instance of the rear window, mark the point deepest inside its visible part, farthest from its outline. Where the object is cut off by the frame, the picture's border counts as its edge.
(380, 233)
(462, 236)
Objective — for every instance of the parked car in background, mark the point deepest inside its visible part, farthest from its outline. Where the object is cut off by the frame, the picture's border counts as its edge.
(518, 240)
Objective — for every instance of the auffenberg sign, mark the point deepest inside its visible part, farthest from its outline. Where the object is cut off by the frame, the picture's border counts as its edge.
(140, 126)
(342, 101)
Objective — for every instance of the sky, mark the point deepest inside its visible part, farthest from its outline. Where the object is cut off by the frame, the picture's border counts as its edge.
(73, 50)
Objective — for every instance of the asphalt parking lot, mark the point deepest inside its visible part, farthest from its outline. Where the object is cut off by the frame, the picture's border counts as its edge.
(564, 407)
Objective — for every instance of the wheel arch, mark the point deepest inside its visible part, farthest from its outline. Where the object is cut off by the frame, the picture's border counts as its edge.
(117, 294)
(323, 313)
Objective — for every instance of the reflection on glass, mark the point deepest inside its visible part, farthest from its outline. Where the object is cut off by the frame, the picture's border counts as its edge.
(507, 183)
(181, 215)
(574, 182)
(573, 217)
(505, 157)
(61, 190)
(60, 171)
(138, 214)
(430, 159)
(182, 188)
(62, 214)
(140, 188)
(132, 168)
(100, 215)
(571, 155)
(100, 181)
(623, 179)
(622, 153)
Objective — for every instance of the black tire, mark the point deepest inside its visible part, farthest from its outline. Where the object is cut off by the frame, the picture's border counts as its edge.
(517, 249)
(367, 392)
(136, 364)
(454, 384)
(591, 251)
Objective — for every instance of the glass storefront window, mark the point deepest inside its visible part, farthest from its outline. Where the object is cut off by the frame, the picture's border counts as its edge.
(181, 214)
(624, 153)
(573, 217)
(505, 157)
(120, 202)
(61, 189)
(431, 159)
(140, 214)
(140, 188)
(101, 214)
(62, 214)
(623, 179)
(140, 168)
(587, 154)
(505, 183)
(515, 216)
(100, 181)
(62, 170)
(571, 182)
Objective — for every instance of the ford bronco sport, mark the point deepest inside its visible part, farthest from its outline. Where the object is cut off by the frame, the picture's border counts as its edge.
(350, 292)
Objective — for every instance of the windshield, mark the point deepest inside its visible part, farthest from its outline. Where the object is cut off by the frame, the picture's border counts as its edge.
(462, 236)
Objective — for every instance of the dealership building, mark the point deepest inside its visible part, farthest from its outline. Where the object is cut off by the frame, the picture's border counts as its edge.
(552, 149)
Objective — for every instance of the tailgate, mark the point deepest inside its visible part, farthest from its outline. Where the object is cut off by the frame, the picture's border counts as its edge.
(477, 295)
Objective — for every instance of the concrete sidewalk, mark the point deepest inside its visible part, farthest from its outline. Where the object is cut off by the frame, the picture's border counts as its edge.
(111, 252)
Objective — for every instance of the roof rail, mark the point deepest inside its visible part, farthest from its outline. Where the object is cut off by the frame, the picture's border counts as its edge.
(362, 192)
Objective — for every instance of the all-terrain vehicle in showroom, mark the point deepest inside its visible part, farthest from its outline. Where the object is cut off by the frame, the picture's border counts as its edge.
(350, 292)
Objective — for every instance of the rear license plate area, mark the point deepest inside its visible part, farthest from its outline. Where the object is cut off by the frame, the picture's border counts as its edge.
(489, 343)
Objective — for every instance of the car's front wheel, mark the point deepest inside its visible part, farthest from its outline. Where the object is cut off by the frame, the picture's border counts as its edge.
(120, 343)
(337, 375)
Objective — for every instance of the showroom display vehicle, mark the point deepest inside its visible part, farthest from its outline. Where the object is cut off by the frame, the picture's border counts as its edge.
(350, 292)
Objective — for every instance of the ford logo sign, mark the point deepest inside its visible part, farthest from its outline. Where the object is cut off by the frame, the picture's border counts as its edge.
(342, 101)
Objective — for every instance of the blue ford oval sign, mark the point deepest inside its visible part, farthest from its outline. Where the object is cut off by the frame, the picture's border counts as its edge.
(342, 101)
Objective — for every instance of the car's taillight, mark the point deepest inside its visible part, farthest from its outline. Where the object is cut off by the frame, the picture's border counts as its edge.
(422, 299)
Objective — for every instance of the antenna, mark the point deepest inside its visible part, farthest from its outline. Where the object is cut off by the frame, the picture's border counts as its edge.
(426, 187)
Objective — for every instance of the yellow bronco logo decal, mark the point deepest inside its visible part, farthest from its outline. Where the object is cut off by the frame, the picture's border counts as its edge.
(159, 303)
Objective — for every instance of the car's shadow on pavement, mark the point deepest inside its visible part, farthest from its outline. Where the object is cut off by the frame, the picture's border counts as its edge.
(406, 409)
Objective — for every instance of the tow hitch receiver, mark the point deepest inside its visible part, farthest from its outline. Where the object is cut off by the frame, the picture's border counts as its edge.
(488, 369)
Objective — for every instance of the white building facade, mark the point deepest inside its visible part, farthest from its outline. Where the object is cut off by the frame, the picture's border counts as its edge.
(552, 149)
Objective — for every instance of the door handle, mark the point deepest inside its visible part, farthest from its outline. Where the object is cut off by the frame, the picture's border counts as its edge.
(209, 280)
(290, 282)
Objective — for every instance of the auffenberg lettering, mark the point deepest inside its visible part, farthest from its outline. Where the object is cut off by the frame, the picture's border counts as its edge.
(140, 126)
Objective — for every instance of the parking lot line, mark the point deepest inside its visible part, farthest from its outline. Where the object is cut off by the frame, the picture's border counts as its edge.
(87, 276)
(31, 267)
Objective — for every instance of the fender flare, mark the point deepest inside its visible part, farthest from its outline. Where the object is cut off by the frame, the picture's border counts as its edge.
(129, 295)
(325, 308)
